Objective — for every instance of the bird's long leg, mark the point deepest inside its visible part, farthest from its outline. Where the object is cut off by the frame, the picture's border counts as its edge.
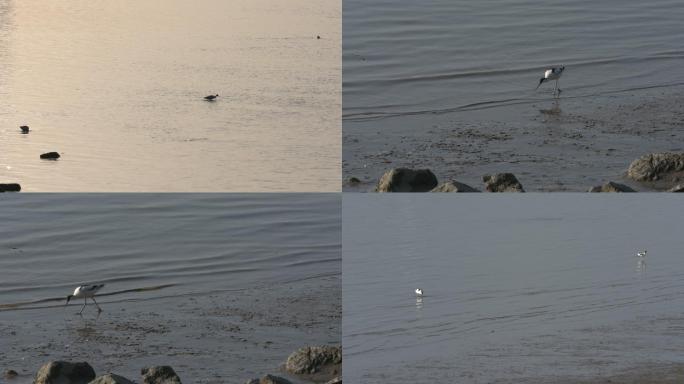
(555, 90)
(98, 307)
(84, 304)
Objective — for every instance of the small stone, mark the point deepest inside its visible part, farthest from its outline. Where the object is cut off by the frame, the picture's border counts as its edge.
(10, 374)
(10, 187)
(611, 187)
(50, 156)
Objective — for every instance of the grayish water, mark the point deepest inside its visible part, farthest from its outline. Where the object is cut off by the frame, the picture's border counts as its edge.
(533, 288)
(216, 285)
(117, 88)
(423, 81)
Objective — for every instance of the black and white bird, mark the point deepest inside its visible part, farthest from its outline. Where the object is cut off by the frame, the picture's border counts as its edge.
(553, 73)
(86, 291)
(419, 292)
(641, 254)
(211, 97)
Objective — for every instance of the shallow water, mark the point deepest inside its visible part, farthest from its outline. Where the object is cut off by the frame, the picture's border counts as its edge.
(215, 285)
(416, 73)
(117, 88)
(533, 288)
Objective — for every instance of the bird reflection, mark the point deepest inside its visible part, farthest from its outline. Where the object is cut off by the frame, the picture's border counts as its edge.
(554, 110)
(419, 302)
(641, 266)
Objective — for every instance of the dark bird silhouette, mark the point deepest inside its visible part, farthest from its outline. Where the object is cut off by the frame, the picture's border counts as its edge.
(24, 129)
(210, 97)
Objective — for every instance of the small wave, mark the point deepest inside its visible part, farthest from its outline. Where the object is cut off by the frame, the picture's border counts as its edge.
(33, 304)
(377, 115)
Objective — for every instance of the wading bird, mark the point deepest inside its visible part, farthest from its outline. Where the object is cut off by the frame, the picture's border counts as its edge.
(210, 97)
(641, 253)
(419, 292)
(553, 73)
(86, 291)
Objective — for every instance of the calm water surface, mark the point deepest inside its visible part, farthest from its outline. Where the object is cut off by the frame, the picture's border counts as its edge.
(117, 88)
(403, 57)
(517, 289)
(196, 243)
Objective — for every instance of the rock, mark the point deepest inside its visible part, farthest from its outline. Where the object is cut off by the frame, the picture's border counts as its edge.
(611, 187)
(10, 187)
(111, 379)
(50, 156)
(656, 166)
(453, 186)
(337, 380)
(353, 180)
(407, 180)
(270, 379)
(63, 372)
(24, 129)
(162, 374)
(10, 374)
(502, 182)
(677, 188)
(309, 360)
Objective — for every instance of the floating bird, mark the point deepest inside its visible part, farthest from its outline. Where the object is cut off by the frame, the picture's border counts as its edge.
(553, 73)
(86, 291)
(24, 129)
(210, 97)
(641, 253)
(419, 292)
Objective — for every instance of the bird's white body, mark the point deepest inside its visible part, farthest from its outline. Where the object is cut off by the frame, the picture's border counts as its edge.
(419, 292)
(86, 292)
(641, 254)
(553, 73)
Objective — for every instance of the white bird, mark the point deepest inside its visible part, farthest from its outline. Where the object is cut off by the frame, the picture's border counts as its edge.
(553, 73)
(419, 292)
(641, 253)
(86, 291)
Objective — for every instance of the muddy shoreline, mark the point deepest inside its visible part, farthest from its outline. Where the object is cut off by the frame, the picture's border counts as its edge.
(222, 337)
(566, 145)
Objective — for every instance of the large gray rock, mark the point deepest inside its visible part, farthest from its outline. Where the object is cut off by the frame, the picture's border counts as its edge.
(313, 359)
(63, 372)
(10, 187)
(502, 182)
(453, 186)
(656, 166)
(111, 379)
(407, 180)
(611, 187)
(162, 374)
